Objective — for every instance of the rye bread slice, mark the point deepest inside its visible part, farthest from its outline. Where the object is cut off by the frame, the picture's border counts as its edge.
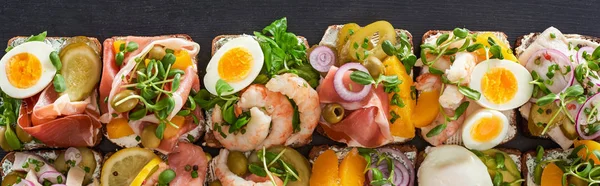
(528, 162)
(430, 37)
(49, 156)
(57, 43)
(197, 132)
(522, 43)
(218, 42)
(409, 150)
(330, 39)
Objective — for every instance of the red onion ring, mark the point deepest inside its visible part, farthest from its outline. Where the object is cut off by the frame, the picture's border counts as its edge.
(404, 172)
(321, 58)
(52, 177)
(74, 154)
(340, 88)
(582, 118)
(557, 57)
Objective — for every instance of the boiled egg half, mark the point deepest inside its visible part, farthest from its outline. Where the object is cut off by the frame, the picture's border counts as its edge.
(451, 165)
(484, 129)
(26, 69)
(503, 84)
(238, 62)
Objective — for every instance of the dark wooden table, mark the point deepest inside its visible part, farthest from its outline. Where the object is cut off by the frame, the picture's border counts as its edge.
(204, 20)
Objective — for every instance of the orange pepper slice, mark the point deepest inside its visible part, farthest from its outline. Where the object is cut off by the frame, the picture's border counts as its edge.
(325, 170)
(118, 127)
(403, 125)
(352, 169)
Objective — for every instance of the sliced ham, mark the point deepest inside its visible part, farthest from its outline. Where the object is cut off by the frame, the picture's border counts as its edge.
(166, 145)
(367, 124)
(187, 154)
(181, 94)
(58, 122)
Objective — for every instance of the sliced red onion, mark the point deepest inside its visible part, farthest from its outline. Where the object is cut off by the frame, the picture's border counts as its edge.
(322, 58)
(340, 88)
(582, 118)
(549, 57)
(73, 154)
(404, 172)
(24, 182)
(52, 176)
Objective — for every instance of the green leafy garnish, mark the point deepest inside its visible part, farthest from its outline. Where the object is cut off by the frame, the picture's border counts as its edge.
(402, 50)
(460, 110)
(571, 94)
(39, 37)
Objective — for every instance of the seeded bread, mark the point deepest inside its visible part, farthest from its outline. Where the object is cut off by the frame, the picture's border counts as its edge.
(528, 162)
(57, 43)
(330, 39)
(430, 37)
(523, 42)
(195, 134)
(409, 150)
(49, 156)
(218, 42)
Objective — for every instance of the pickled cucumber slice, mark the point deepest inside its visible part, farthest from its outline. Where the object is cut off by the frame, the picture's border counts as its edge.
(81, 67)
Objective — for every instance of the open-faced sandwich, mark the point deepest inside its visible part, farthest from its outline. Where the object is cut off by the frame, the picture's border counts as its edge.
(346, 166)
(277, 165)
(365, 91)
(72, 166)
(557, 167)
(146, 91)
(48, 92)
(259, 91)
(565, 69)
(185, 165)
(469, 86)
(455, 165)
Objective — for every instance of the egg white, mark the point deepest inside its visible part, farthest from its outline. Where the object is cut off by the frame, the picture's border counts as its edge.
(452, 165)
(522, 75)
(212, 72)
(472, 119)
(40, 50)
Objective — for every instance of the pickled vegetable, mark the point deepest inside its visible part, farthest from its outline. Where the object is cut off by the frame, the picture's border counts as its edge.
(3, 142)
(296, 160)
(357, 48)
(511, 172)
(343, 36)
(568, 129)
(12, 177)
(374, 65)
(149, 139)
(237, 163)
(81, 67)
(22, 135)
(126, 106)
(88, 163)
(215, 183)
(541, 115)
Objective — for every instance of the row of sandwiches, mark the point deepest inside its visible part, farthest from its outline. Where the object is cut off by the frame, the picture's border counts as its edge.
(263, 93)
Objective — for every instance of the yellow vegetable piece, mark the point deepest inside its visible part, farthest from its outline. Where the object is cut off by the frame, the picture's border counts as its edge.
(591, 146)
(357, 40)
(506, 50)
(325, 170)
(427, 108)
(118, 127)
(352, 169)
(117, 45)
(182, 60)
(171, 131)
(148, 170)
(552, 175)
(403, 126)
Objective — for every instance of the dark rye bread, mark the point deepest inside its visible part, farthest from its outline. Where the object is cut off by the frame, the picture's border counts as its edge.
(522, 43)
(200, 126)
(217, 42)
(57, 43)
(10, 157)
(529, 158)
(330, 39)
(456, 139)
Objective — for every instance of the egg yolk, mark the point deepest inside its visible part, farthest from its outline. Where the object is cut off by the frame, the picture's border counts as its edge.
(23, 70)
(235, 64)
(499, 85)
(486, 128)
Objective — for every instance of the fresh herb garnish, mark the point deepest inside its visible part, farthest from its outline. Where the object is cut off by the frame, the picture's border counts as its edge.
(364, 78)
(572, 93)
(459, 112)
(39, 37)
(271, 164)
(403, 51)
(120, 56)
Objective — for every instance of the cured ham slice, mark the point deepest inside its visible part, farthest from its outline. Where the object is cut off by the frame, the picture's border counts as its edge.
(187, 154)
(367, 124)
(58, 122)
